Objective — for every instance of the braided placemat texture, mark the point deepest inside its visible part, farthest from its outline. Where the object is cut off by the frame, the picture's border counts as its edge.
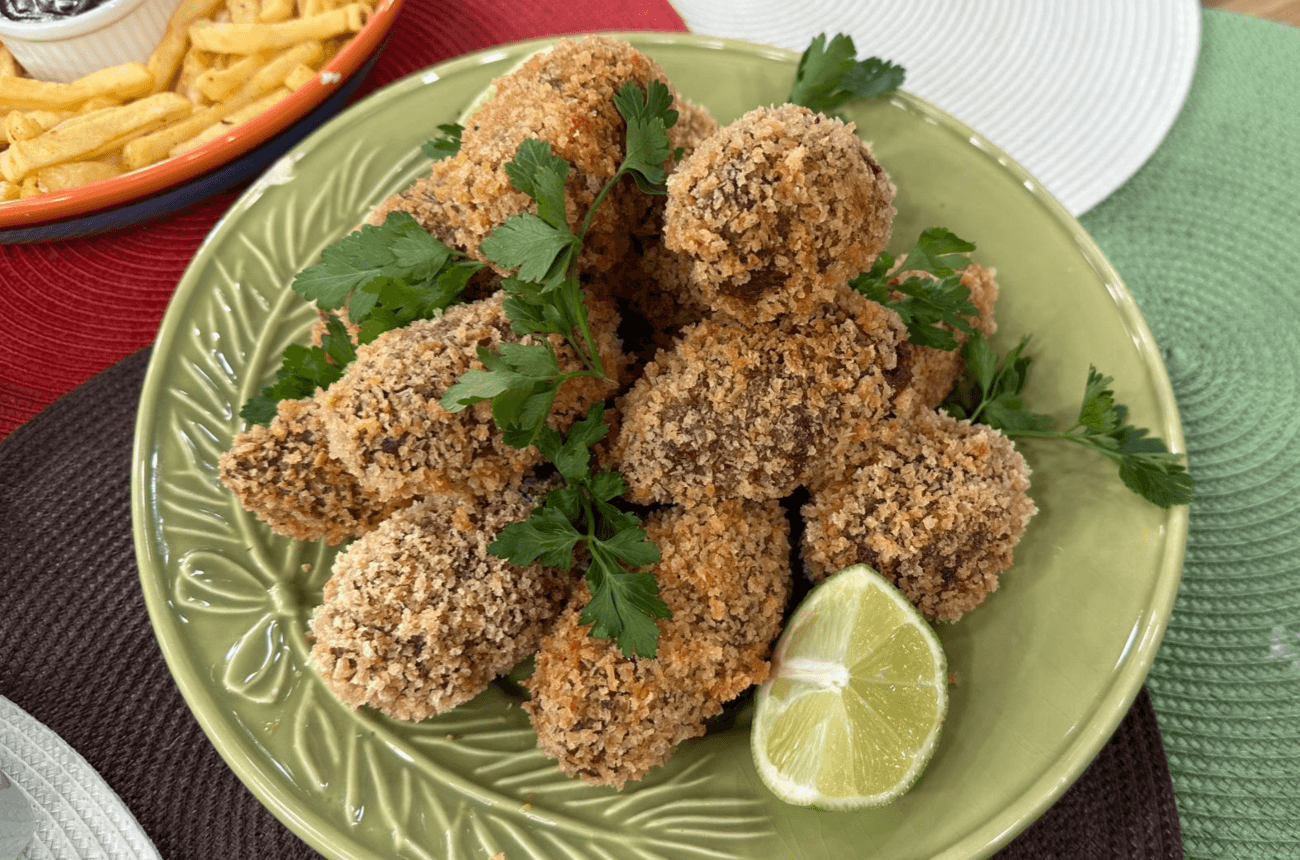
(78, 654)
(1207, 236)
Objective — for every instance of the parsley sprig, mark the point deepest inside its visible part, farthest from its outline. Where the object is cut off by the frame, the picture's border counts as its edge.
(992, 393)
(387, 276)
(928, 303)
(829, 75)
(624, 602)
(543, 295)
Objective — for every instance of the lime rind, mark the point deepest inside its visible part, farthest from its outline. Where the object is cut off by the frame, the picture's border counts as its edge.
(843, 732)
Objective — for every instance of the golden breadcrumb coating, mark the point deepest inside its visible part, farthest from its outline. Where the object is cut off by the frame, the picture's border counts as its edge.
(418, 616)
(936, 371)
(778, 210)
(564, 96)
(935, 504)
(739, 410)
(386, 425)
(725, 574)
(284, 475)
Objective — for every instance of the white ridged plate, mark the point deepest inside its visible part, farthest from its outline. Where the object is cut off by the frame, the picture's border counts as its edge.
(1080, 92)
(78, 815)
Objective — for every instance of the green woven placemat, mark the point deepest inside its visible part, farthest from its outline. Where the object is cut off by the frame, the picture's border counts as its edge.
(1207, 236)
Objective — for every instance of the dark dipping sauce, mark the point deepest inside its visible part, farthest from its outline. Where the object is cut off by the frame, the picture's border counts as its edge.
(45, 10)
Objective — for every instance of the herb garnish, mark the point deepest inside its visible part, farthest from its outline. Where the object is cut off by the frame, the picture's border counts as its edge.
(991, 393)
(387, 276)
(928, 303)
(624, 603)
(447, 145)
(304, 369)
(829, 75)
(544, 297)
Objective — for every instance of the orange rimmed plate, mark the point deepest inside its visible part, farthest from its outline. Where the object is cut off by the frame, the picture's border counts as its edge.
(244, 152)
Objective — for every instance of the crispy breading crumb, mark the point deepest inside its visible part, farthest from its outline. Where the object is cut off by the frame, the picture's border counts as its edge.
(778, 210)
(936, 371)
(743, 410)
(725, 574)
(564, 96)
(386, 425)
(283, 474)
(935, 504)
(418, 617)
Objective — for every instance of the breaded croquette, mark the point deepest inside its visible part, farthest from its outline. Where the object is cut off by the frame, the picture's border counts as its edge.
(738, 410)
(725, 574)
(386, 425)
(933, 503)
(418, 616)
(565, 97)
(778, 210)
(936, 371)
(284, 475)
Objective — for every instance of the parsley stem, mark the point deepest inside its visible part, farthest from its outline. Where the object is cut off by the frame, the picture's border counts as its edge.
(1069, 436)
(595, 204)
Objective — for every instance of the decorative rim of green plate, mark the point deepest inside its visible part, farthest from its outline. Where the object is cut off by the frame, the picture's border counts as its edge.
(1108, 711)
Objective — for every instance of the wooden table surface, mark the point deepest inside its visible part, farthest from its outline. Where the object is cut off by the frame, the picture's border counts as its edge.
(1286, 11)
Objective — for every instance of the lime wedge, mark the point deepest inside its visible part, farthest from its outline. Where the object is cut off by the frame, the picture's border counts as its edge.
(851, 713)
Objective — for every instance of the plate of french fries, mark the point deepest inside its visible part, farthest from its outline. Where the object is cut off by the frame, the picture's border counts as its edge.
(138, 139)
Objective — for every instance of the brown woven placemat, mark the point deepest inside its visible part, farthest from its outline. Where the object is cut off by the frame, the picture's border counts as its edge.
(77, 653)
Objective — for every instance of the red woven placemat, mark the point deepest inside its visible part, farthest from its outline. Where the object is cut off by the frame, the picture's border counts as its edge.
(72, 308)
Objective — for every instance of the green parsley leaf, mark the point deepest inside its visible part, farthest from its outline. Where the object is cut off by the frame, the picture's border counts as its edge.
(355, 268)
(303, 370)
(546, 537)
(623, 604)
(829, 75)
(934, 303)
(536, 250)
(541, 174)
(445, 146)
(648, 114)
(991, 392)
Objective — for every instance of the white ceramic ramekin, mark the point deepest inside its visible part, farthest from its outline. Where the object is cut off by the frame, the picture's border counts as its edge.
(119, 31)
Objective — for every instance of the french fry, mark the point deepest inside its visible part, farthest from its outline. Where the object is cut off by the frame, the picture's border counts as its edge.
(165, 60)
(24, 125)
(28, 188)
(250, 38)
(8, 65)
(8, 191)
(193, 65)
(98, 103)
(61, 177)
(158, 145)
(275, 10)
(299, 76)
(88, 136)
(124, 81)
(244, 114)
(219, 84)
(244, 11)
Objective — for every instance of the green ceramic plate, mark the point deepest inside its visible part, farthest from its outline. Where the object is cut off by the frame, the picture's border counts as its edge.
(1045, 670)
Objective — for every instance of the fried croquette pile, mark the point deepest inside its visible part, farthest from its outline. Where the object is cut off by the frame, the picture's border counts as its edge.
(743, 369)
